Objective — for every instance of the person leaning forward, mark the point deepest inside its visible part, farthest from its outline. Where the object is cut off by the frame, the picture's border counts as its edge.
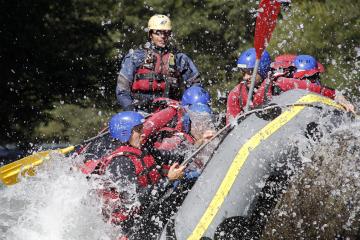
(157, 70)
(130, 176)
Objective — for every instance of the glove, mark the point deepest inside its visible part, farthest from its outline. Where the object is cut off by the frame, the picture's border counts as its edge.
(191, 175)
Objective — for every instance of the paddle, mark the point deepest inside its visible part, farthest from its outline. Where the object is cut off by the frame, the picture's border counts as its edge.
(9, 173)
(265, 25)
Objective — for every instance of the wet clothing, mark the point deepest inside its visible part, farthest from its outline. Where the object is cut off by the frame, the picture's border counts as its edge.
(165, 135)
(153, 72)
(238, 96)
(169, 115)
(133, 180)
(285, 84)
(169, 145)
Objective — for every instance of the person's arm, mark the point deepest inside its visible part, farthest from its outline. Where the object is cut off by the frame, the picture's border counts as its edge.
(188, 71)
(286, 84)
(123, 93)
(126, 76)
(233, 107)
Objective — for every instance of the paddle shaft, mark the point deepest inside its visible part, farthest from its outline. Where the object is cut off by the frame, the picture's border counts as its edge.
(251, 90)
(96, 137)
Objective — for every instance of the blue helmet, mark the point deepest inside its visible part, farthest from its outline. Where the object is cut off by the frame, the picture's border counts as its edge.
(195, 94)
(121, 125)
(247, 61)
(305, 62)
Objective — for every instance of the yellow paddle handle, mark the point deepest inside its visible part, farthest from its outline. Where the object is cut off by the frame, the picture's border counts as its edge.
(9, 173)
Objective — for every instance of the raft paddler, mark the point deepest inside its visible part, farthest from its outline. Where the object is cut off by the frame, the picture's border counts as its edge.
(266, 86)
(131, 176)
(308, 68)
(307, 76)
(238, 96)
(179, 128)
(169, 143)
(156, 70)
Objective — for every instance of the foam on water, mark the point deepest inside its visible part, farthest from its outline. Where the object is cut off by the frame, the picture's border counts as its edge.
(55, 204)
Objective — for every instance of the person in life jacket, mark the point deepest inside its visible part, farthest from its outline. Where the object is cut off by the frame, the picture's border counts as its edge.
(309, 69)
(173, 143)
(170, 144)
(131, 176)
(174, 117)
(156, 70)
(237, 97)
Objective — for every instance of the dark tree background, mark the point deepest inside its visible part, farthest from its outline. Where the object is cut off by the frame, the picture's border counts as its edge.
(59, 58)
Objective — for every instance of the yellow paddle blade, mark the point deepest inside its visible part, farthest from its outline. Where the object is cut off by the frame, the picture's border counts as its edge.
(9, 173)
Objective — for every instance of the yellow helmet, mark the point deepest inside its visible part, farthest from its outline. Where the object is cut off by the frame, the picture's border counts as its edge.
(159, 22)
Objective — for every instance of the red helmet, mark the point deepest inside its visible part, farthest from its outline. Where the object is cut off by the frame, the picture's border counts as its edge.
(283, 61)
(283, 65)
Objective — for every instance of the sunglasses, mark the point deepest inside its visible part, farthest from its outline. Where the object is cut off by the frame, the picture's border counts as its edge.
(162, 33)
(246, 71)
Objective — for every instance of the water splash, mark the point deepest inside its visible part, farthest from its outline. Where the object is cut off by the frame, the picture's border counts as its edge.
(323, 201)
(57, 204)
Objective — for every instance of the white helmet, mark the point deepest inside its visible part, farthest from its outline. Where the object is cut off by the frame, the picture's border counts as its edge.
(159, 22)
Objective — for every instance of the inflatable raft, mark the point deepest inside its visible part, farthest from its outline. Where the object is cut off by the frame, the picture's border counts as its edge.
(254, 151)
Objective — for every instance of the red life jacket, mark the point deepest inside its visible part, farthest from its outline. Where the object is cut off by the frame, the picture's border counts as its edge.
(170, 116)
(155, 74)
(238, 97)
(145, 170)
(145, 166)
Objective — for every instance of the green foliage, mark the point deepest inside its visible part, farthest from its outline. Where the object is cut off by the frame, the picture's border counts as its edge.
(72, 123)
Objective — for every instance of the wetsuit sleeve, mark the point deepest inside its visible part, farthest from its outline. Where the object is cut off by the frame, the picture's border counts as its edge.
(286, 84)
(328, 92)
(188, 71)
(233, 107)
(123, 94)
